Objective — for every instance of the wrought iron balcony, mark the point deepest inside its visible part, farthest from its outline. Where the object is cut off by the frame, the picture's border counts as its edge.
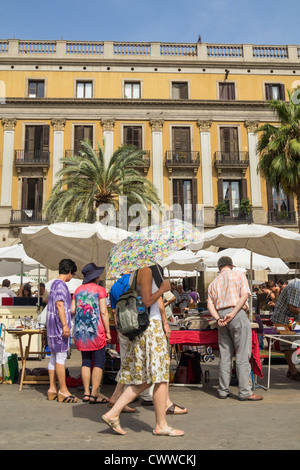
(235, 216)
(32, 158)
(282, 217)
(175, 159)
(27, 217)
(231, 159)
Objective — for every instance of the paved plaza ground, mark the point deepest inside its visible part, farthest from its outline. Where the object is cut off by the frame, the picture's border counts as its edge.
(30, 422)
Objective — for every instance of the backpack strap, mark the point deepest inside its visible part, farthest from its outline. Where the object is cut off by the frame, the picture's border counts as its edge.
(133, 284)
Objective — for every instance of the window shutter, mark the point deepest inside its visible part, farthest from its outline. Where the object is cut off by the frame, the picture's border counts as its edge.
(133, 136)
(282, 92)
(46, 137)
(29, 139)
(243, 186)
(181, 139)
(81, 133)
(24, 193)
(220, 189)
(268, 91)
(39, 202)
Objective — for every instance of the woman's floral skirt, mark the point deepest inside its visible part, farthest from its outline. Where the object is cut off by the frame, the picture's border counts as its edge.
(147, 357)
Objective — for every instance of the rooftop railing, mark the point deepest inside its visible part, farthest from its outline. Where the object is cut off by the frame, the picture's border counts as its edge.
(150, 50)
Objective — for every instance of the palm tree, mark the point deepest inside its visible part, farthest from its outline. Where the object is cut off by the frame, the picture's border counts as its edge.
(279, 149)
(85, 182)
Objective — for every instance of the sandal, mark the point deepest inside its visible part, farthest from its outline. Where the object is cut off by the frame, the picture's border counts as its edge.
(52, 396)
(126, 409)
(172, 410)
(113, 424)
(168, 431)
(66, 398)
(93, 400)
(86, 400)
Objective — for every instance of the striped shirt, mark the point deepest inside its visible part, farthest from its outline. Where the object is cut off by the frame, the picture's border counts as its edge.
(290, 295)
(228, 287)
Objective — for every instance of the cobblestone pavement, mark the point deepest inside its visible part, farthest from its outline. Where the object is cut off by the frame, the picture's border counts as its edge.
(30, 422)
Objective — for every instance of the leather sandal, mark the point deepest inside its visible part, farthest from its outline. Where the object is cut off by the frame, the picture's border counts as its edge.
(172, 410)
(66, 398)
(52, 396)
(94, 400)
(168, 431)
(113, 424)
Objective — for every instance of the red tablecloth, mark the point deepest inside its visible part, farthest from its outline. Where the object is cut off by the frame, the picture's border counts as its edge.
(209, 338)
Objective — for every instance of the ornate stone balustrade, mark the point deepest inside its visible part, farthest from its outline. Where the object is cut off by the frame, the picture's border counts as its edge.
(60, 49)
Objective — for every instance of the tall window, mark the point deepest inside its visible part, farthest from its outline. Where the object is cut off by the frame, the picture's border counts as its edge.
(227, 91)
(181, 140)
(81, 133)
(36, 143)
(133, 136)
(229, 143)
(185, 198)
(280, 200)
(132, 90)
(180, 90)
(84, 89)
(32, 196)
(232, 192)
(231, 195)
(36, 88)
(274, 91)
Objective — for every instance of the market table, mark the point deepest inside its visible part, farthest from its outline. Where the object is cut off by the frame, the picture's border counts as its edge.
(25, 352)
(283, 337)
(208, 338)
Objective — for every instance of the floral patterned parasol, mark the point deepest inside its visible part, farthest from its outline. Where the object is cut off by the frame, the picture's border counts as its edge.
(149, 246)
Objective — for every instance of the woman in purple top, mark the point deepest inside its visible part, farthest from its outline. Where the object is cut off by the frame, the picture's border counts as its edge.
(58, 331)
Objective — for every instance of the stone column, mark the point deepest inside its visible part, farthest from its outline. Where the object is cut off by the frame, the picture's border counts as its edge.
(108, 137)
(206, 166)
(157, 149)
(58, 145)
(7, 162)
(259, 215)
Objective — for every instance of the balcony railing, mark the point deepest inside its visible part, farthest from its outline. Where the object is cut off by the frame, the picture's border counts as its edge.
(32, 158)
(282, 217)
(176, 158)
(233, 217)
(199, 51)
(231, 159)
(27, 217)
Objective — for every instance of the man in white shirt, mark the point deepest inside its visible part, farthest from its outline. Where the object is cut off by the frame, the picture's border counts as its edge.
(5, 289)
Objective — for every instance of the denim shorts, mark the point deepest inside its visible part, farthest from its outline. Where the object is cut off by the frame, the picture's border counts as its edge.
(95, 358)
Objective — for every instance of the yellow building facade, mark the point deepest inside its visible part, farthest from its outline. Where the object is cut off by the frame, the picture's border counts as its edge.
(193, 108)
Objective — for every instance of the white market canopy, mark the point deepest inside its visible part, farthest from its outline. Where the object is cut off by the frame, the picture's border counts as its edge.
(262, 239)
(241, 258)
(15, 260)
(186, 260)
(82, 242)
